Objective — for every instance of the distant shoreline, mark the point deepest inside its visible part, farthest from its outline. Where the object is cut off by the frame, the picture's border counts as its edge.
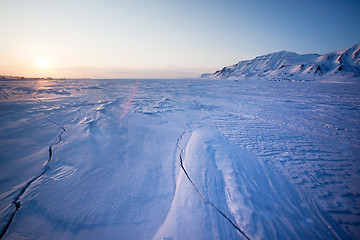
(37, 78)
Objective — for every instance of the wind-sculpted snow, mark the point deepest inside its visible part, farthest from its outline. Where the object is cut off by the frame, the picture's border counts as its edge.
(232, 182)
(277, 160)
(183, 232)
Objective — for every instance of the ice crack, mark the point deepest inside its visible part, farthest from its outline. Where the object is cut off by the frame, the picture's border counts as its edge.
(17, 201)
(201, 195)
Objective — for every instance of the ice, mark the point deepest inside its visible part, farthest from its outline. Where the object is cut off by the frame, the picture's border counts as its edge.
(279, 159)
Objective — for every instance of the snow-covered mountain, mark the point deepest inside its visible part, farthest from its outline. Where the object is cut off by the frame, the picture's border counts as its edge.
(289, 65)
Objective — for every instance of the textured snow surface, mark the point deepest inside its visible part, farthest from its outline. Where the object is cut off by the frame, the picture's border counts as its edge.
(340, 65)
(100, 159)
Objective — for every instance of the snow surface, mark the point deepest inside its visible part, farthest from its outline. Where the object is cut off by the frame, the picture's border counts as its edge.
(100, 159)
(340, 65)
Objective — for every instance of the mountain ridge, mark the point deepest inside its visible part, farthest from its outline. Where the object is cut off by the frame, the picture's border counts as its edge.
(290, 65)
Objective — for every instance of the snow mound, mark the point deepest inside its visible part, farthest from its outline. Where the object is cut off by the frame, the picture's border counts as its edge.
(236, 183)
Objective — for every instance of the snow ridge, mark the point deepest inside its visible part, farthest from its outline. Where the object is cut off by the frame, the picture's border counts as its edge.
(201, 195)
(284, 64)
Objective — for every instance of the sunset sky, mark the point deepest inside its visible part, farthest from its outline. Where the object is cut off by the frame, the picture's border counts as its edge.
(164, 38)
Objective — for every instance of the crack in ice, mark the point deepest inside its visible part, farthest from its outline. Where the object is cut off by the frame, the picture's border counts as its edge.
(201, 195)
(16, 200)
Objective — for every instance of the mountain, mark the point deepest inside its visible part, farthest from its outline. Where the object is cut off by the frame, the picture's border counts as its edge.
(290, 65)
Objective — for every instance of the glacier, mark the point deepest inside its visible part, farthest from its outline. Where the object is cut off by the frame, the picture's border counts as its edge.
(113, 159)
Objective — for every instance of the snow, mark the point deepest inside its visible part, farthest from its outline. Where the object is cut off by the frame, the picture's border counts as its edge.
(100, 159)
(341, 65)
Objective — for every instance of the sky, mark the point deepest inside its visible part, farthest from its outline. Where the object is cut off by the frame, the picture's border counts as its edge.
(164, 38)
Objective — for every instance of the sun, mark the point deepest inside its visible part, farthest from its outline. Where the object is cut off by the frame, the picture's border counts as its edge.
(42, 63)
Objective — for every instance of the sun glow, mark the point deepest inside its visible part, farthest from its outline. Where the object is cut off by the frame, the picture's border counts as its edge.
(42, 63)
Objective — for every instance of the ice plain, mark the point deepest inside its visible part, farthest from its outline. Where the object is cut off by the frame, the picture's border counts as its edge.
(100, 159)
